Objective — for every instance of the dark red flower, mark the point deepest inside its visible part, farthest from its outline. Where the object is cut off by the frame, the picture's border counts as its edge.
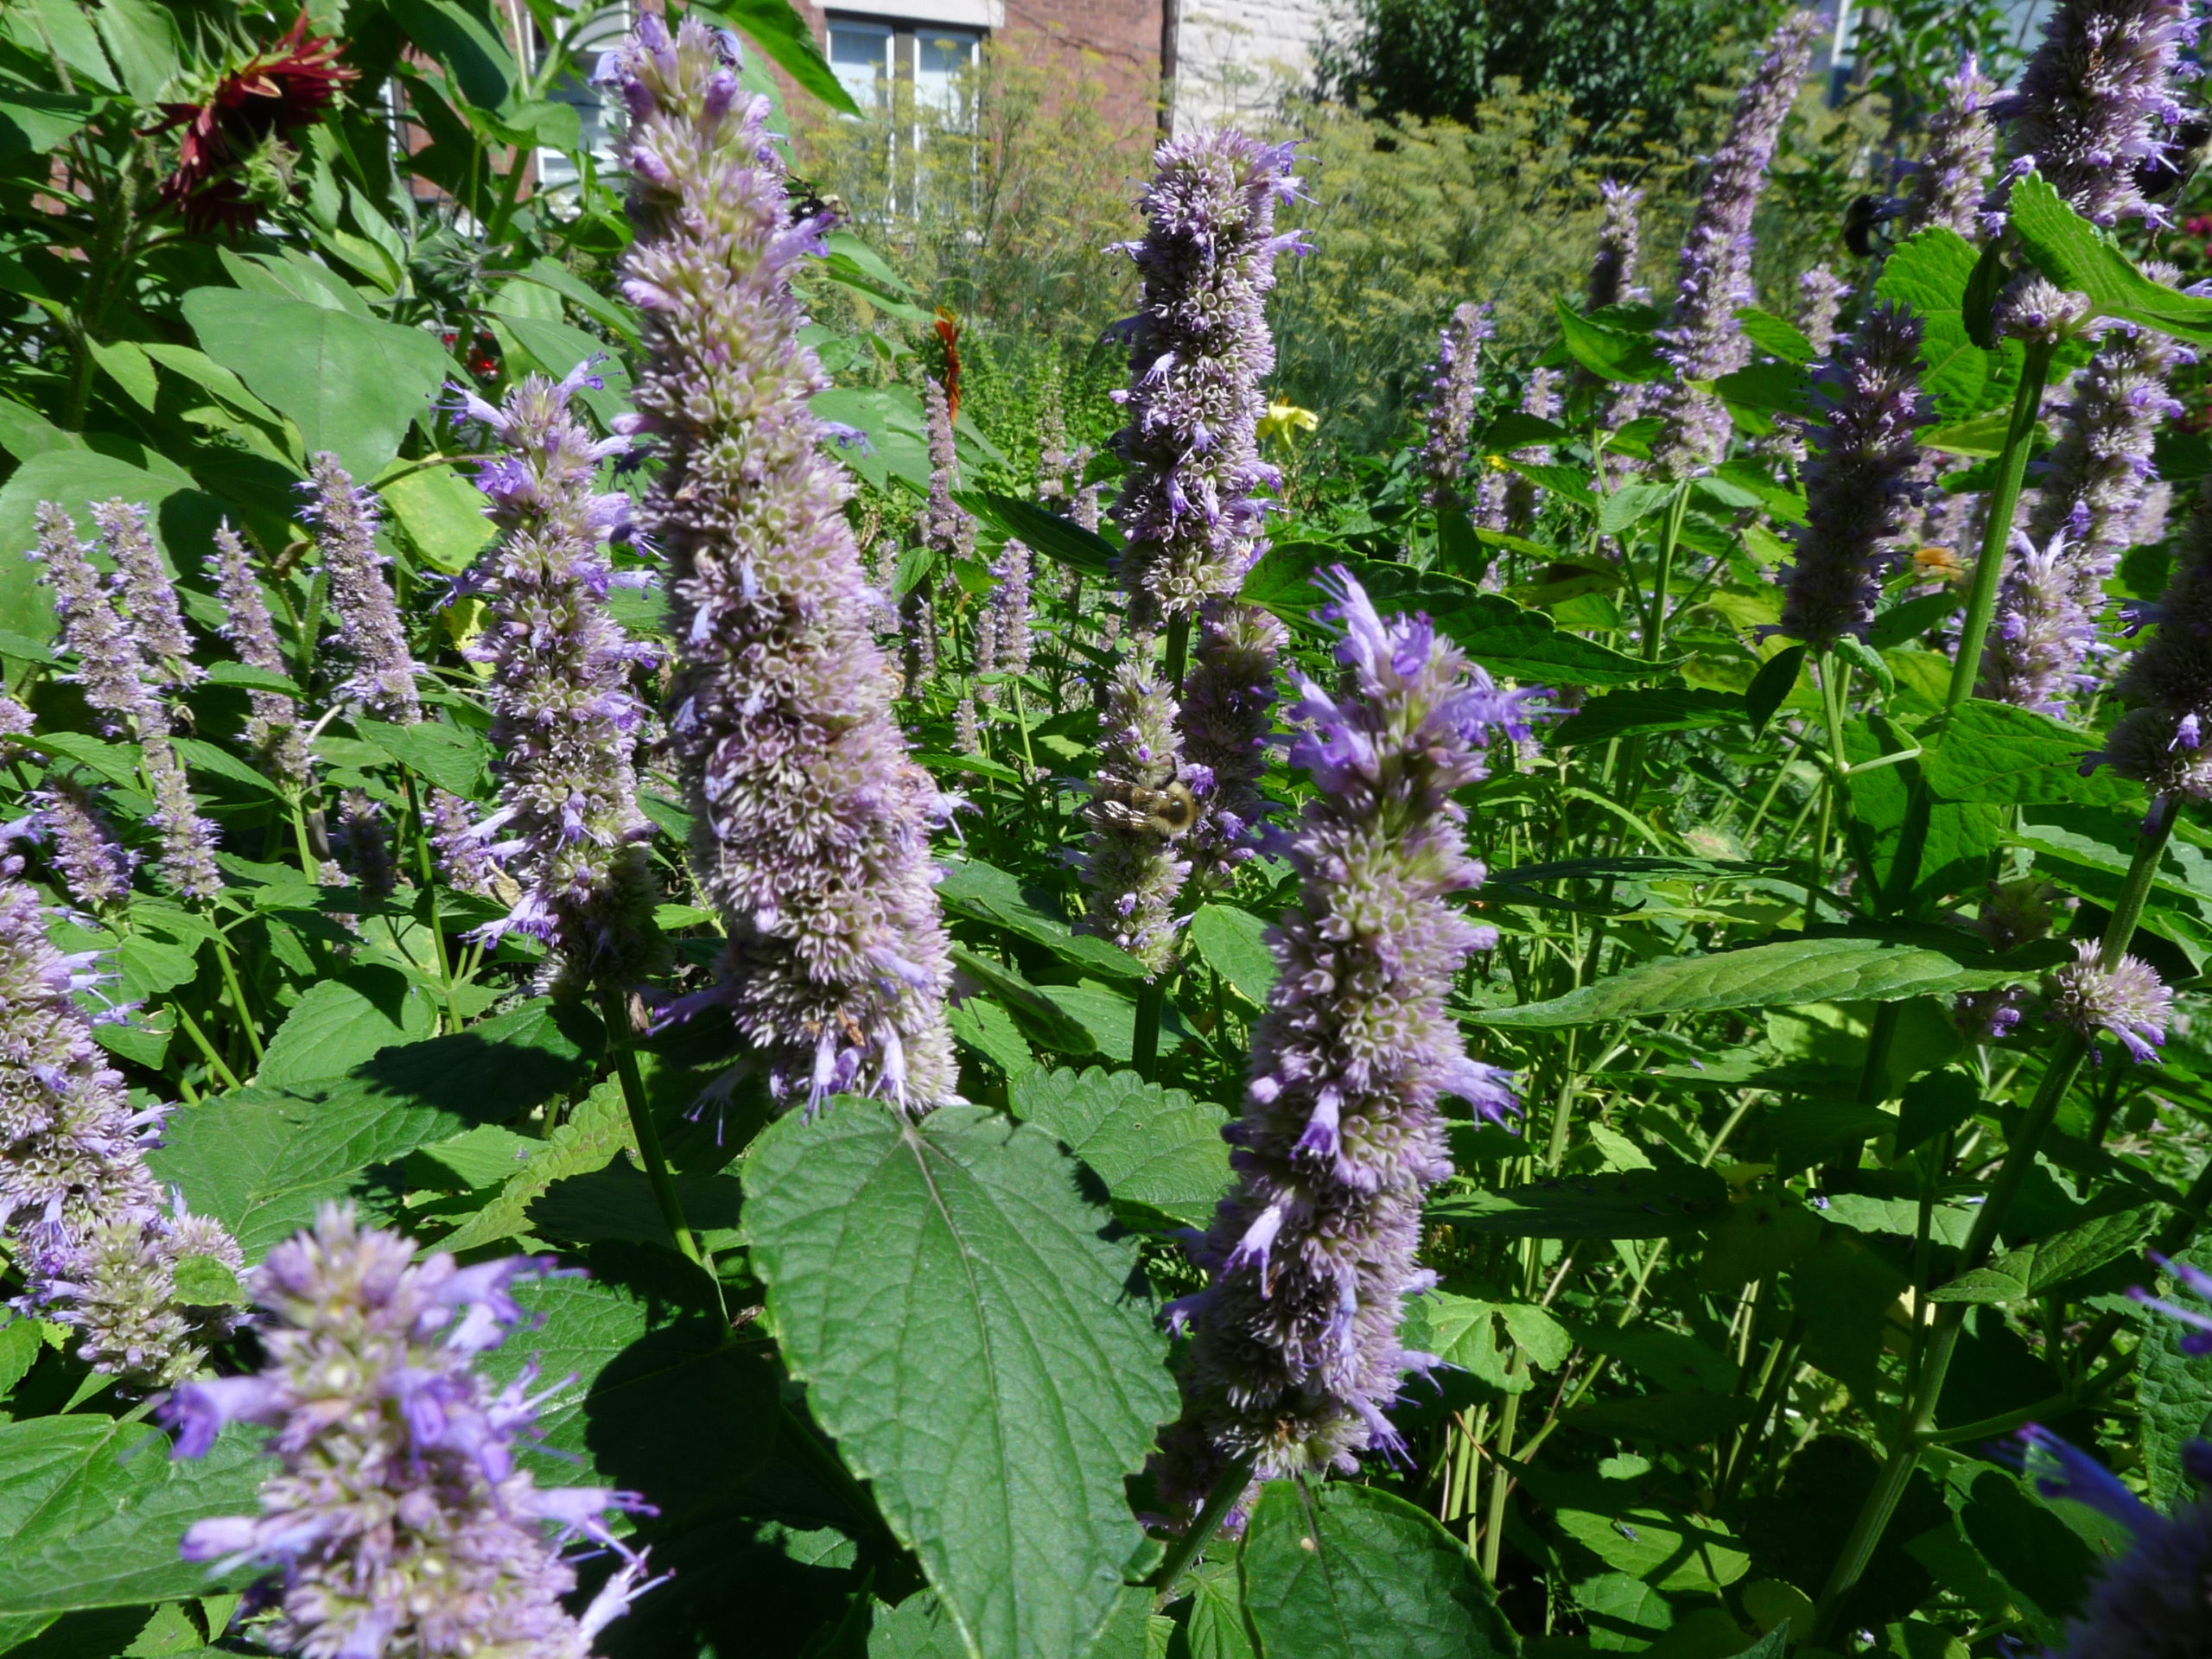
(273, 93)
(948, 332)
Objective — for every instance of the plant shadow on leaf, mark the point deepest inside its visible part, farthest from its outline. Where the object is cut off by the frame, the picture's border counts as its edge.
(1796, 1533)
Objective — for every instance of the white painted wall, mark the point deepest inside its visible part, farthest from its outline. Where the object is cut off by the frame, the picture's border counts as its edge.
(1234, 57)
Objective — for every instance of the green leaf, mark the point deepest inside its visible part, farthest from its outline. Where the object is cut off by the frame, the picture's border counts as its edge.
(1234, 944)
(1043, 531)
(1336, 1571)
(1040, 1018)
(1930, 272)
(616, 1201)
(1215, 1627)
(597, 1130)
(1781, 975)
(352, 385)
(983, 1026)
(1667, 1548)
(1630, 505)
(1613, 354)
(1650, 708)
(442, 514)
(463, 41)
(1151, 1146)
(784, 37)
(36, 122)
(1933, 1104)
(73, 480)
(1685, 1418)
(1503, 637)
(341, 1022)
(1618, 1203)
(972, 887)
(453, 760)
(1844, 1291)
(1995, 753)
(1659, 869)
(227, 672)
(1902, 623)
(2042, 1560)
(2173, 1391)
(1773, 335)
(204, 1281)
(965, 1335)
(1771, 686)
(2075, 255)
(2034, 1269)
(91, 1510)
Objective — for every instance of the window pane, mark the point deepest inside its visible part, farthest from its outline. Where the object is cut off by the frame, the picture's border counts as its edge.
(942, 59)
(588, 29)
(860, 55)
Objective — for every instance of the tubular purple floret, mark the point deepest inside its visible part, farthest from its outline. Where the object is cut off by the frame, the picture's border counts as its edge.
(1296, 1355)
(812, 822)
(147, 593)
(109, 665)
(2089, 108)
(93, 865)
(1191, 507)
(370, 633)
(1448, 410)
(1703, 339)
(1866, 473)
(1612, 271)
(398, 1522)
(1948, 184)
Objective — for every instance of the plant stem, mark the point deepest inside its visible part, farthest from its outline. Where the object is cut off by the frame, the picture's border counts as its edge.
(1915, 1428)
(2011, 468)
(1227, 1490)
(1670, 536)
(238, 999)
(616, 1018)
(206, 1049)
(429, 885)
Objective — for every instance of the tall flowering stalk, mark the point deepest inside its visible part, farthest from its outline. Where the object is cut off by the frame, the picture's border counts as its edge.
(273, 730)
(812, 834)
(94, 867)
(1448, 411)
(98, 1248)
(148, 595)
(1821, 294)
(564, 721)
(1953, 172)
(2094, 490)
(1143, 800)
(1296, 1356)
(1011, 575)
(2161, 741)
(1199, 349)
(108, 660)
(1226, 717)
(1702, 338)
(1517, 497)
(1865, 469)
(1612, 271)
(398, 1524)
(370, 634)
(2091, 104)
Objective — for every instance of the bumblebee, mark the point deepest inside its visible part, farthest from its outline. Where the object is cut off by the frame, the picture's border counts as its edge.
(1863, 220)
(2164, 176)
(1166, 813)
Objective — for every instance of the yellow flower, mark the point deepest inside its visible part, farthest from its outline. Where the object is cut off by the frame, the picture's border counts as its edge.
(1283, 421)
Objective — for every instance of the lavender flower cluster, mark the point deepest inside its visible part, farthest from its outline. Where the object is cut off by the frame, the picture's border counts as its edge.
(1953, 172)
(1226, 717)
(1448, 410)
(1199, 349)
(813, 824)
(100, 1249)
(1612, 271)
(564, 721)
(2161, 741)
(1142, 802)
(370, 636)
(1865, 475)
(399, 1524)
(1295, 1353)
(273, 730)
(1702, 338)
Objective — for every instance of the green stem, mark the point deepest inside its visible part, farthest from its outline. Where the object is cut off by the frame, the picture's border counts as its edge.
(1916, 1428)
(236, 993)
(429, 885)
(1227, 1490)
(206, 1049)
(2012, 469)
(1670, 536)
(648, 1135)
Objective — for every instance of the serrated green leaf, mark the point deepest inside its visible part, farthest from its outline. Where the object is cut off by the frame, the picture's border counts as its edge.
(966, 1337)
(1772, 334)
(341, 1022)
(1336, 1571)
(1646, 709)
(974, 888)
(1929, 273)
(2173, 1390)
(598, 1129)
(1666, 1548)
(446, 756)
(1618, 1204)
(1234, 944)
(91, 1510)
(204, 1281)
(226, 673)
(2034, 1269)
(1151, 1146)
(1995, 753)
(1215, 1627)
(988, 1029)
(2075, 255)
(1043, 531)
(1610, 353)
(1503, 637)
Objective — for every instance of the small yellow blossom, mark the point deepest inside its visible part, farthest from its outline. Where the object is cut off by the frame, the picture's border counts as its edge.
(1283, 422)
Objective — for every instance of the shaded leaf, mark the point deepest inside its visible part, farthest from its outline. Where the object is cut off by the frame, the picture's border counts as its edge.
(1620, 1204)
(1153, 1146)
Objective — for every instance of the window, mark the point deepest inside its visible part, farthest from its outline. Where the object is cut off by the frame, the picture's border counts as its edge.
(942, 58)
(861, 56)
(586, 31)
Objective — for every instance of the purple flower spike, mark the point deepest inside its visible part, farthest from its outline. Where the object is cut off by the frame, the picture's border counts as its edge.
(2093, 489)
(81, 1211)
(148, 596)
(1613, 272)
(1703, 339)
(1949, 183)
(2160, 742)
(812, 821)
(1866, 473)
(1198, 350)
(399, 1524)
(94, 867)
(274, 727)
(370, 634)
(1143, 804)
(1296, 1353)
(1448, 411)
(1226, 714)
(2091, 103)
(109, 665)
(2128, 1000)
(564, 721)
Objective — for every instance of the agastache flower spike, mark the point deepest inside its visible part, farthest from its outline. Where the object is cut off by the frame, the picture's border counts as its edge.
(1865, 469)
(1949, 183)
(1226, 714)
(2162, 741)
(2128, 1000)
(563, 722)
(1010, 573)
(1613, 272)
(813, 823)
(1539, 397)
(94, 867)
(108, 662)
(1703, 339)
(1199, 349)
(2091, 495)
(1448, 411)
(1142, 802)
(2089, 105)
(1821, 294)
(274, 727)
(83, 1213)
(369, 629)
(1296, 1355)
(148, 596)
(398, 1524)
(16, 722)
